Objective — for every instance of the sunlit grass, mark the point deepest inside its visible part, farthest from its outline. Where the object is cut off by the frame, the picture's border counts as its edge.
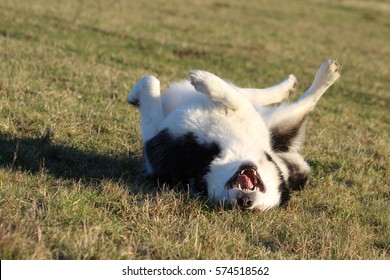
(71, 180)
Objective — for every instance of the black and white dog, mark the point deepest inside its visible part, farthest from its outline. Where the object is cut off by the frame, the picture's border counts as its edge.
(221, 140)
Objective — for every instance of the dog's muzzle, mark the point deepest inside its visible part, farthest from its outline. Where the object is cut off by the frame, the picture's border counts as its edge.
(247, 181)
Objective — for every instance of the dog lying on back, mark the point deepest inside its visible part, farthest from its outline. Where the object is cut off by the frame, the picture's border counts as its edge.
(222, 141)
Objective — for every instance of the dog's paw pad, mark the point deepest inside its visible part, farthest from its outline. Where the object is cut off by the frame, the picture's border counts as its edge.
(132, 99)
(335, 67)
(134, 102)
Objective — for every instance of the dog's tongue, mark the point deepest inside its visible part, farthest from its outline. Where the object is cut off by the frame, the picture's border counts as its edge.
(244, 181)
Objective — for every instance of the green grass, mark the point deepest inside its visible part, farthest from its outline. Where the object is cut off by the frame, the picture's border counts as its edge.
(71, 181)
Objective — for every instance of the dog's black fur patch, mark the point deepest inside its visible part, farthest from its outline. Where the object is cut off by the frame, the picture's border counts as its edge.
(181, 159)
(283, 188)
(283, 137)
(297, 178)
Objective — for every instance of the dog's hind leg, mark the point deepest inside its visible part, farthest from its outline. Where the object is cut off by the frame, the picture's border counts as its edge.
(146, 96)
(287, 122)
(272, 95)
(218, 90)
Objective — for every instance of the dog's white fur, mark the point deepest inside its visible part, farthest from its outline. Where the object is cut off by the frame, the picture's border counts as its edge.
(217, 117)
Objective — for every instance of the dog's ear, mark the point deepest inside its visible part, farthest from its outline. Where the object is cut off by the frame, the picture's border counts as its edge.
(287, 135)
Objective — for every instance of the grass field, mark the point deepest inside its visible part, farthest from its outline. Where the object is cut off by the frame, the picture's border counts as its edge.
(71, 180)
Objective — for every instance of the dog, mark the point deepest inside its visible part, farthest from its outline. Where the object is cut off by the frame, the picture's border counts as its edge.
(226, 142)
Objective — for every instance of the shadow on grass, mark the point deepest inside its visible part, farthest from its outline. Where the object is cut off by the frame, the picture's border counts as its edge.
(40, 155)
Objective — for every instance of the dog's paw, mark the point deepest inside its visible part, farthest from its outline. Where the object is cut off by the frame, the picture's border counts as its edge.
(201, 80)
(145, 84)
(328, 72)
(217, 89)
(291, 85)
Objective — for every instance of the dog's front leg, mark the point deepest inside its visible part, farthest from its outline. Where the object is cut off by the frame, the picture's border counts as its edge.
(146, 96)
(271, 95)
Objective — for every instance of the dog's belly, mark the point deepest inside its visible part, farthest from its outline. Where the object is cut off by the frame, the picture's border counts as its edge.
(211, 124)
(191, 138)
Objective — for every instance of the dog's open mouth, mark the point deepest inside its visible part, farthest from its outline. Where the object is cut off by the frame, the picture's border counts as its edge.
(246, 179)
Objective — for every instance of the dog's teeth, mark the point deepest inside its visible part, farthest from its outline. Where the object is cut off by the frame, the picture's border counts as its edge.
(254, 172)
(239, 186)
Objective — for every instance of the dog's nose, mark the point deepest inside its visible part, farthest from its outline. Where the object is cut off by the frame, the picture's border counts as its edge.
(245, 202)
